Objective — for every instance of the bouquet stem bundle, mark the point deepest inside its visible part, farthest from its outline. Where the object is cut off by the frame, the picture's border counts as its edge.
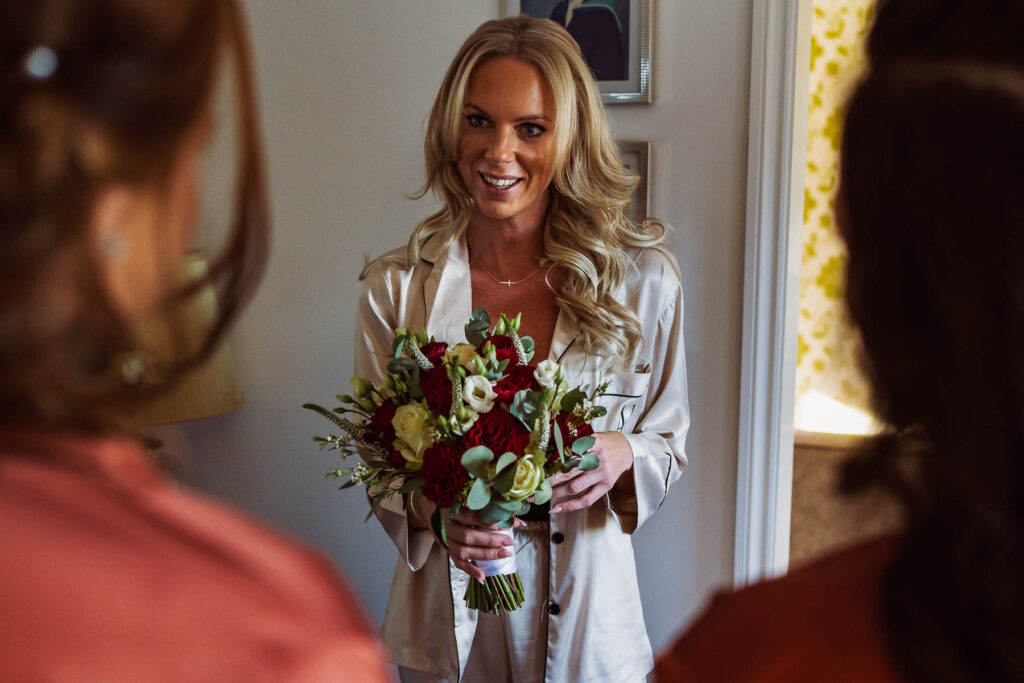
(497, 594)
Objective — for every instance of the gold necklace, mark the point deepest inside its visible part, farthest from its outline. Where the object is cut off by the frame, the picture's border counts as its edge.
(507, 283)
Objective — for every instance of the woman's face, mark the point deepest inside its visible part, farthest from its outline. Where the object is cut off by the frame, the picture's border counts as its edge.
(506, 149)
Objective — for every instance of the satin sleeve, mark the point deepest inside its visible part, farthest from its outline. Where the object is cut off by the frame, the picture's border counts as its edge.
(659, 433)
(375, 325)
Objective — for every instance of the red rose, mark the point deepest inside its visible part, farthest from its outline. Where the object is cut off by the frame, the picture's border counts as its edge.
(519, 377)
(396, 460)
(380, 423)
(499, 431)
(571, 429)
(503, 349)
(443, 475)
(434, 350)
(437, 389)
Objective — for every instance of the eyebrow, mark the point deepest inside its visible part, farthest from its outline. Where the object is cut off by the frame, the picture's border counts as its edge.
(532, 117)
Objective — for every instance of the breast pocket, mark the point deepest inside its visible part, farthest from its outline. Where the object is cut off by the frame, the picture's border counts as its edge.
(625, 400)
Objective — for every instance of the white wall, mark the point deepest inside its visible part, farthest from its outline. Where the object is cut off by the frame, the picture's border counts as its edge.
(345, 88)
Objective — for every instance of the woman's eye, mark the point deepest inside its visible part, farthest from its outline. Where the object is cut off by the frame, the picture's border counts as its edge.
(476, 121)
(531, 130)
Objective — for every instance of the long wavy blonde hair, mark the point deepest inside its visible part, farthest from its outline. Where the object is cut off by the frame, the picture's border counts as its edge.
(588, 233)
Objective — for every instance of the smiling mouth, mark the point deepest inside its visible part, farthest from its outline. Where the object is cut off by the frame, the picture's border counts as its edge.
(500, 182)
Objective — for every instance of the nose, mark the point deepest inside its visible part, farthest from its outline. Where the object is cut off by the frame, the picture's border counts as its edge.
(502, 146)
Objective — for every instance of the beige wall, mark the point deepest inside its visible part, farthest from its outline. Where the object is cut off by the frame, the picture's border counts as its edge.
(346, 86)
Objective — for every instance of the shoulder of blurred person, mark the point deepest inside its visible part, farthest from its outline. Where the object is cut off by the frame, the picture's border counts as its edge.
(819, 622)
(112, 572)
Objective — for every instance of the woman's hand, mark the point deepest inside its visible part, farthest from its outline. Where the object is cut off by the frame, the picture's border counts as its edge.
(469, 540)
(577, 489)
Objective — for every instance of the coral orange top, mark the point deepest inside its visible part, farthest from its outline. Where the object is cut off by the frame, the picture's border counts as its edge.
(820, 622)
(108, 572)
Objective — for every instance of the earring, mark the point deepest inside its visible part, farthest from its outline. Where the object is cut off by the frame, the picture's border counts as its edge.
(138, 369)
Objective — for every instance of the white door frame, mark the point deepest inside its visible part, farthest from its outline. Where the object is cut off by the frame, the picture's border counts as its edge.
(779, 75)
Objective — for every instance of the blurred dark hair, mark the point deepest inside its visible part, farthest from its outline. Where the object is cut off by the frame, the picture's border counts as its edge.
(133, 78)
(932, 209)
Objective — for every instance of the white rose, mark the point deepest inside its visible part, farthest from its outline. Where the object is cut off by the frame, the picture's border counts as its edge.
(547, 373)
(478, 393)
(529, 475)
(462, 353)
(410, 423)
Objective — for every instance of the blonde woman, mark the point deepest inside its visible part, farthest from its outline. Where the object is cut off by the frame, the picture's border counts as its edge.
(534, 221)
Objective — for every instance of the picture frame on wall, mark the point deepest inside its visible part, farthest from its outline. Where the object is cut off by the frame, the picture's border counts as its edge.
(614, 36)
(636, 156)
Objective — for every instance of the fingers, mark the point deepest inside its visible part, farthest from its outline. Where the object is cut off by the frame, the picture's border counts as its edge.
(478, 538)
(560, 478)
(467, 545)
(591, 496)
(574, 487)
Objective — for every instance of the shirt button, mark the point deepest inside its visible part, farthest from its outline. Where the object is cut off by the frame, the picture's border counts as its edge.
(557, 537)
(553, 608)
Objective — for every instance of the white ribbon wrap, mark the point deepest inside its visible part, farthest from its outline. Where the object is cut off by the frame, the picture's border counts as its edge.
(503, 565)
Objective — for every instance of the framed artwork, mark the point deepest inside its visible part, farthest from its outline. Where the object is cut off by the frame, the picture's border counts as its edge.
(636, 156)
(614, 36)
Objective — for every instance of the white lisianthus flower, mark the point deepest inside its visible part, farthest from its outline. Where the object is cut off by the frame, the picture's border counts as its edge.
(529, 475)
(462, 353)
(478, 393)
(410, 423)
(547, 373)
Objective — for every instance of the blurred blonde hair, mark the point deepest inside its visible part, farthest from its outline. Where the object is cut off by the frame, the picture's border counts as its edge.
(588, 233)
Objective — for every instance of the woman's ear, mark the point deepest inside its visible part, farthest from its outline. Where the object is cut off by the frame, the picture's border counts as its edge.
(122, 217)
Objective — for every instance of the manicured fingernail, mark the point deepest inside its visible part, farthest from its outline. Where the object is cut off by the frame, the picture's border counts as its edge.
(505, 553)
(557, 508)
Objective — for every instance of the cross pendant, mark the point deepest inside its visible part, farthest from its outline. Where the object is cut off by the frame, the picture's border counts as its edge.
(507, 283)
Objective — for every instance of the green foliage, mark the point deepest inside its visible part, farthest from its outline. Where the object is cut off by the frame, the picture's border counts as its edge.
(583, 444)
(476, 460)
(588, 462)
(478, 326)
(572, 398)
(479, 495)
(526, 407)
(504, 461)
(543, 493)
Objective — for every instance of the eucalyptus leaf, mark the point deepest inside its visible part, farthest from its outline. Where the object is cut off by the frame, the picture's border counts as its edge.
(598, 411)
(504, 461)
(493, 514)
(476, 460)
(572, 399)
(528, 346)
(437, 523)
(526, 407)
(411, 485)
(589, 462)
(476, 328)
(571, 463)
(559, 443)
(514, 507)
(543, 493)
(505, 524)
(504, 482)
(479, 496)
(583, 444)
(400, 365)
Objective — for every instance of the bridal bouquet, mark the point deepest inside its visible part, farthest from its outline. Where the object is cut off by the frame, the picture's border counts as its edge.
(467, 425)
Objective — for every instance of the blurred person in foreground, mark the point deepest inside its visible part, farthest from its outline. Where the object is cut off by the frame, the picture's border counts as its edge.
(932, 210)
(107, 571)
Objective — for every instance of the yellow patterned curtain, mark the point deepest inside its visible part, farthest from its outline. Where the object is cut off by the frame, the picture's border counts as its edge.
(832, 395)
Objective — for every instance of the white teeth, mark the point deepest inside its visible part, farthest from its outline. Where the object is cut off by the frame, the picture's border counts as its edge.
(500, 183)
